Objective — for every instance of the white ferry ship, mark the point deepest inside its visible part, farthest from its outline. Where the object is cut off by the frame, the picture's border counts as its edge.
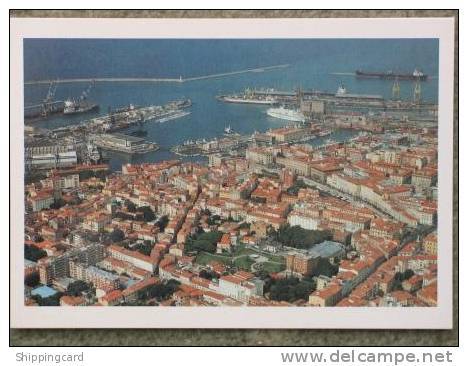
(286, 114)
(242, 99)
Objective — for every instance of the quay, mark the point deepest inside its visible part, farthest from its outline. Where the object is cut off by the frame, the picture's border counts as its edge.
(319, 102)
(216, 145)
(126, 117)
(123, 143)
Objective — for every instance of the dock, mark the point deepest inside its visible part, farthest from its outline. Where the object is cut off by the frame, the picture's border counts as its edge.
(123, 143)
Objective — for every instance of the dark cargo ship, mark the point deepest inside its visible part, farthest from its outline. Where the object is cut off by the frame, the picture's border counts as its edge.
(390, 75)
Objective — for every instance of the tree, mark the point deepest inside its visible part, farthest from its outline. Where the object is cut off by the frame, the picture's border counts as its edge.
(76, 201)
(297, 237)
(294, 189)
(408, 274)
(32, 280)
(397, 285)
(205, 242)
(85, 175)
(58, 203)
(244, 225)
(144, 248)
(267, 280)
(209, 275)
(290, 289)
(34, 176)
(131, 207)
(117, 235)
(258, 199)
(324, 267)
(76, 288)
(33, 253)
(148, 214)
(53, 300)
(303, 289)
(206, 212)
(160, 291)
(214, 219)
(162, 223)
(38, 238)
(123, 215)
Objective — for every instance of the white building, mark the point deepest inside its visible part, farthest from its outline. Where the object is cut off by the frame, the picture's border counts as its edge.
(137, 259)
(303, 219)
(240, 287)
(61, 159)
(41, 201)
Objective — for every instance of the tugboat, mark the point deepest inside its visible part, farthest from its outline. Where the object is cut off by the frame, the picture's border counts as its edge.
(341, 90)
(228, 131)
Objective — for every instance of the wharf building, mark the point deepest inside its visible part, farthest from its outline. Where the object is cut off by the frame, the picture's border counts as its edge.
(47, 161)
(44, 149)
(125, 143)
(313, 108)
(282, 135)
(260, 156)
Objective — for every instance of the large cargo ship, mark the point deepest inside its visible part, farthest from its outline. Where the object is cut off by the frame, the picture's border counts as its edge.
(391, 75)
(286, 114)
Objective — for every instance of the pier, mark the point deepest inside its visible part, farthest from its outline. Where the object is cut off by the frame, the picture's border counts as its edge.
(157, 80)
(306, 100)
(124, 143)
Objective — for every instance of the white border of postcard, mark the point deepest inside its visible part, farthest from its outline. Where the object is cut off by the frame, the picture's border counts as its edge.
(439, 317)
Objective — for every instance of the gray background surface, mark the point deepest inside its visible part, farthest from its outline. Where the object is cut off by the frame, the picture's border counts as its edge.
(222, 337)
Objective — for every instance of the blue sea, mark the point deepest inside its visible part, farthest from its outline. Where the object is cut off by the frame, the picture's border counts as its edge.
(320, 64)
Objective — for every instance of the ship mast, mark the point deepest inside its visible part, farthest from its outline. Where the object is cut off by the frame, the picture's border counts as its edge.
(417, 91)
(396, 90)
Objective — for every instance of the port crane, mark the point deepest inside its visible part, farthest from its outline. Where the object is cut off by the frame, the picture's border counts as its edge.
(85, 93)
(49, 99)
(417, 93)
(46, 106)
(396, 89)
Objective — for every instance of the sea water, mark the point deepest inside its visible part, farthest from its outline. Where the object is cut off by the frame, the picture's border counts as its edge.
(313, 64)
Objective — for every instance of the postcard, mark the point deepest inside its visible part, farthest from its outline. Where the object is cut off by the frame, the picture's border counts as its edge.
(232, 173)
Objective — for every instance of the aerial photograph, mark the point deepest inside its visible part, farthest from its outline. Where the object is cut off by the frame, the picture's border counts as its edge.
(230, 172)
